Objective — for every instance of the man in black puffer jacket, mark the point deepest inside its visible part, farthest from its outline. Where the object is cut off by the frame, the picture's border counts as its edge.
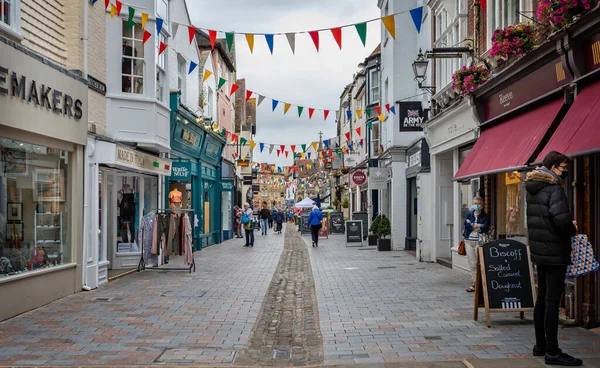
(550, 226)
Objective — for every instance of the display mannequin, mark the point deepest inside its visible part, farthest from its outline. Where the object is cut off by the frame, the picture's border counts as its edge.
(175, 199)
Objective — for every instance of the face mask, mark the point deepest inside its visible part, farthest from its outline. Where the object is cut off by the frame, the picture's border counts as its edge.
(477, 207)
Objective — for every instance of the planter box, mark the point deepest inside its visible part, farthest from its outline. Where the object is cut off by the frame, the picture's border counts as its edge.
(384, 245)
(373, 239)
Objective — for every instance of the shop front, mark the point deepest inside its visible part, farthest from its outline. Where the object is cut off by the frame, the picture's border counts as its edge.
(42, 137)
(450, 135)
(210, 178)
(418, 199)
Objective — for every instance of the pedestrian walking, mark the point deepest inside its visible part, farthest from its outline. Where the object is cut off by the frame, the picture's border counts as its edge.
(550, 227)
(315, 220)
(247, 216)
(237, 222)
(264, 217)
(272, 218)
(291, 217)
(476, 223)
(279, 220)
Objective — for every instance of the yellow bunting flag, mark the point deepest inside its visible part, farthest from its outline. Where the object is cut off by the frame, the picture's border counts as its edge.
(314, 146)
(381, 117)
(252, 144)
(207, 74)
(113, 10)
(359, 114)
(390, 25)
(286, 108)
(250, 39)
(144, 20)
(302, 155)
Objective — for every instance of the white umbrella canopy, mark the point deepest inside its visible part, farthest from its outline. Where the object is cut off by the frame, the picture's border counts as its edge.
(305, 203)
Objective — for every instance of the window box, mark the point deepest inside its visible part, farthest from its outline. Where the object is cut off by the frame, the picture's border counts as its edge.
(512, 40)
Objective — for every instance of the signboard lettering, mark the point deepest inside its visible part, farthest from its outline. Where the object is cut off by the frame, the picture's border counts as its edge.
(378, 177)
(337, 223)
(143, 161)
(414, 159)
(305, 227)
(359, 177)
(182, 171)
(96, 85)
(189, 137)
(354, 231)
(412, 116)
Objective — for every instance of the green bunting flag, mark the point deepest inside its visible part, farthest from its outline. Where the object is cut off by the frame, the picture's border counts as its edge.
(303, 147)
(368, 113)
(130, 22)
(229, 36)
(300, 108)
(370, 125)
(361, 28)
(221, 83)
(243, 141)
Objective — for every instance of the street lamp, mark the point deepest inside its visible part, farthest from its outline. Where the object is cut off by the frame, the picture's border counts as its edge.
(420, 70)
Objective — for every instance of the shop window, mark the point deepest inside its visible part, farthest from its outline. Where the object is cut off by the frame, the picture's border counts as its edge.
(128, 212)
(373, 86)
(34, 208)
(502, 13)
(181, 76)
(160, 69)
(511, 206)
(132, 80)
(468, 191)
(9, 15)
(162, 10)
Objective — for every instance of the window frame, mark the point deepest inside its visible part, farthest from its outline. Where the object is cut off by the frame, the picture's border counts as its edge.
(374, 75)
(161, 68)
(501, 13)
(133, 58)
(13, 28)
(181, 76)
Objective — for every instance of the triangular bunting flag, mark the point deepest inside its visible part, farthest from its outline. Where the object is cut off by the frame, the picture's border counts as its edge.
(252, 144)
(234, 87)
(234, 137)
(378, 109)
(309, 159)
(270, 149)
(315, 37)
(130, 22)
(368, 111)
(314, 146)
(483, 4)
(417, 17)
(175, 28)
(303, 147)
(282, 147)
(387, 107)
(300, 108)
(248, 94)
(162, 47)
(349, 114)
(291, 37)
(159, 24)
(293, 147)
(269, 39)
(243, 141)
(118, 5)
(147, 36)
(261, 146)
(381, 117)
(106, 3)
(207, 74)
(278, 153)
(310, 112)
(221, 83)
(229, 36)
(390, 25)
(393, 109)
(286, 107)
(212, 35)
(358, 131)
(325, 114)
(326, 143)
(362, 142)
(359, 114)
(260, 99)
(192, 33)
(113, 11)
(250, 40)
(193, 66)
(361, 28)
(370, 125)
(286, 154)
(144, 20)
(337, 35)
(274, 105)
(347, 136)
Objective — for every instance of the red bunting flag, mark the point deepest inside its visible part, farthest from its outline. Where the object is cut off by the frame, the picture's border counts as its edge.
(330, 152)
(483, 4)
(191, 33)
(278, 153)
(234, 87)
(310, 112)
(282, 147)
(337, 34)
(234, 137)
(235, 154)
(118, 5)
(106, 3)
(286, 154)
(213, 38)
(147, 36)
(358, 130)
(348, 136)
(248, 94)
(226, 134)
(325, 114)
(293, 147)
(378, 109)
(387, 107)
(315, 37)
(162, 47)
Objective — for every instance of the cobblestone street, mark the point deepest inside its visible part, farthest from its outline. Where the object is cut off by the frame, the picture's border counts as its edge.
(279, 305)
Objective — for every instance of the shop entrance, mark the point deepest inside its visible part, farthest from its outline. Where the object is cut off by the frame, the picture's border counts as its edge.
(411, 218)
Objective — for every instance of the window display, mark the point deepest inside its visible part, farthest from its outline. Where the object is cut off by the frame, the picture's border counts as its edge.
(33, 207)
(127, 201)
(511, 206)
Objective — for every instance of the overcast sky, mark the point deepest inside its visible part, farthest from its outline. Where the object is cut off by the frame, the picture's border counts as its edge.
(307, 78)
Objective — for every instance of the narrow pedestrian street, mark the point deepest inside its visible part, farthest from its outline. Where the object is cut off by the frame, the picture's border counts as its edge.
(281, 303)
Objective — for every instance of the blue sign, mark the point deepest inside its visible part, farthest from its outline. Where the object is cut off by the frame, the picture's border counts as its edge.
(181, 170)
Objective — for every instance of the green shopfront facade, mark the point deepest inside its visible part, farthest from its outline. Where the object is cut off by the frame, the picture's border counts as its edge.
(196, 173)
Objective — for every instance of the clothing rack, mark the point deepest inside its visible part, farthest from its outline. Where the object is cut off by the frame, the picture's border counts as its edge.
(142, 263)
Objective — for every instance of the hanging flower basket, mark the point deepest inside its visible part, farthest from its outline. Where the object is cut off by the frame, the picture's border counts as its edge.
(467, 79)
(560, 13)
(512, 40)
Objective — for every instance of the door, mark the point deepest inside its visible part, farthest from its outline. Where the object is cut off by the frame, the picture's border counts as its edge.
(411, 227)
(91, 226)
(111, 215)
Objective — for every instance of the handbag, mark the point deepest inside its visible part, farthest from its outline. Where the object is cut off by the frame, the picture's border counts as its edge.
(462, 251)
(583, 261)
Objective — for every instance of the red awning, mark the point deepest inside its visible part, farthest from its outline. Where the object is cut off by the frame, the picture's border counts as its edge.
(579, 132)
(508, 146)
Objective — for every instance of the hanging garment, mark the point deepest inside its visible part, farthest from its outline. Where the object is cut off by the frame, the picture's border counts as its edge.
(146, 239)
(127, 205)
(162, 232)
(173, 228)
(187, 240)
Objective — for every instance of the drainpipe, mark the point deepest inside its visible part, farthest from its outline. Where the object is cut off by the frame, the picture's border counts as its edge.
(86, 179)
(85, 38)
(477, 30)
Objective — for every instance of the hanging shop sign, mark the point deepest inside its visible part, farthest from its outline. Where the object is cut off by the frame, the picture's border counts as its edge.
(412, 116)
(379, 177)
(182, 171)
(227, 186)
(359, 177)
(418, 159)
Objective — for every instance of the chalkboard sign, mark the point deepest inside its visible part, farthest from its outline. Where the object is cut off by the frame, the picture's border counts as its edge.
(305, 227)
(504, 281)
(364, 217)
(337, 223)
(354, 231)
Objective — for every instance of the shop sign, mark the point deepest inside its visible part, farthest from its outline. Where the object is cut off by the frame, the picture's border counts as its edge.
(412, 116)
(359, 177)
(96, 85)
(182, 171)
(189, 137)
(227, 186)
(379, 177)
(143, 161)
(414, 159)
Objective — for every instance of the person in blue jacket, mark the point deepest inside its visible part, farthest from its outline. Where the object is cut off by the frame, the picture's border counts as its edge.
(314, 220)
(476, 222)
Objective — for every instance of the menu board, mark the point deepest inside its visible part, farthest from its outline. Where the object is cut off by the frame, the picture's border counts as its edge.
(504, 280)
(353, 231)
(324, 231)
(337, 223)
(305, 227)
(364, 217)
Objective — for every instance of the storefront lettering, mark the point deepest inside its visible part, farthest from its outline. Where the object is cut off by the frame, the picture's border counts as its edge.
(181, 171)
(189, 137)
(130, 157)
(54, 100)
(414, 159)
(413, 122)
(505, 99)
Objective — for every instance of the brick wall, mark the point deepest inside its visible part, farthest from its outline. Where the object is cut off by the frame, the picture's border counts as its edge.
(97, 64)
(44, 27)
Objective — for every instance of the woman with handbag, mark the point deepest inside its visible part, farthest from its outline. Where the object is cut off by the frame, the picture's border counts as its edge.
(475, 225)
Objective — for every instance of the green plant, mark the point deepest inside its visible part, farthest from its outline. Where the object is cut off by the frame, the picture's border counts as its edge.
(345, 202)
(202, 98)
(335, 202)
(374, 229)
(467, 79)
(512, 40)
(385, 228)
(559, 13)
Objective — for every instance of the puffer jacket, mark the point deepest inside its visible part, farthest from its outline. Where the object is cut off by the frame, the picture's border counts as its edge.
(549, 221)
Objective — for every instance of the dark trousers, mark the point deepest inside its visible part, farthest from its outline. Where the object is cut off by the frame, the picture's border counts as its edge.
(551, 285)
(314, 231)
(249, 237)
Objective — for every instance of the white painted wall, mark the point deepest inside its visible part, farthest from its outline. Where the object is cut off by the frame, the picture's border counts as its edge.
(425, 211)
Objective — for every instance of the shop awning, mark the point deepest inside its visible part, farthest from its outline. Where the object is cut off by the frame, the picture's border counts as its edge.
(509, 146)
(579, 132)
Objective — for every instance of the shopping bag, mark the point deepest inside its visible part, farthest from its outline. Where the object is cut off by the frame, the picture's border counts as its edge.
(582, 257)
